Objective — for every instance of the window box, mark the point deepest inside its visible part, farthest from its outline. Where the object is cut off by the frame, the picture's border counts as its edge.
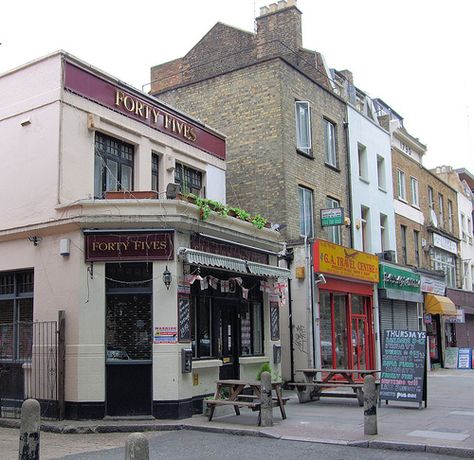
(133, 195)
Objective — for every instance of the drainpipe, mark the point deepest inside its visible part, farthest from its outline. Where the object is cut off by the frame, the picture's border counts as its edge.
(309, 307)
(349, 178)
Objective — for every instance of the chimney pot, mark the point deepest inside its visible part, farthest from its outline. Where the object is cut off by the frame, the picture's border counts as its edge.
(264, 10)
(273, 7)
(281, 4)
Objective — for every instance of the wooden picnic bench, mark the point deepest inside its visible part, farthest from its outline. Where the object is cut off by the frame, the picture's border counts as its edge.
(230, 393)
(312, 388)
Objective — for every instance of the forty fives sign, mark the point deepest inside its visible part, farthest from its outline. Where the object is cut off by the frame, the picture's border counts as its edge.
(109, 247)
(403, 366)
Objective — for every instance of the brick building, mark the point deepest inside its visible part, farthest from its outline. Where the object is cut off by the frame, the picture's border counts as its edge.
(287, 148)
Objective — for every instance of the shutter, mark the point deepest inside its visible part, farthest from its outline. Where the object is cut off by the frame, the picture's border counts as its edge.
(400, 315)
(412, 316)
(386, 316)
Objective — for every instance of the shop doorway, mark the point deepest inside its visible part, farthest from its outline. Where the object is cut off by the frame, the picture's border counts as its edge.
(128, 339)
(346, 331)
(227, 339)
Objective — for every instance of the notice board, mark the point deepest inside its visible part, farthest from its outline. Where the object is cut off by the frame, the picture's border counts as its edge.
(403, 375)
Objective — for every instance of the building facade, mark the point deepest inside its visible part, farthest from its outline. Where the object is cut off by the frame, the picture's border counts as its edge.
(158, 302)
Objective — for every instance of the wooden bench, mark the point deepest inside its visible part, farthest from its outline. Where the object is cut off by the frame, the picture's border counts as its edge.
(244, 397)
(318, 388)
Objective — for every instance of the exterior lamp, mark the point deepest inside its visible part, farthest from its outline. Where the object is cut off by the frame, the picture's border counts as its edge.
(167, 278)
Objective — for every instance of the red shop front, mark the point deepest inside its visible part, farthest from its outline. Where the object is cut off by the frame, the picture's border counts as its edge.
(345, 294)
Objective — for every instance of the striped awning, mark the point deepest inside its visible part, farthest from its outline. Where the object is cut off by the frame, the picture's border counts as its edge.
(194, 257)
(268, 270)
(191, 256)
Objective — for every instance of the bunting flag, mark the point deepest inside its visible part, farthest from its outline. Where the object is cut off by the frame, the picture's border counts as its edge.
(213, 282)
(265, 286)
(190, 279)
(224, 286)
(204, 284)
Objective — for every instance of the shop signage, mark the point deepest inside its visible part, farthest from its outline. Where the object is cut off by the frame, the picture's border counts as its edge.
(113, 247)
(442, 242)
(396, 278)
(165, 334)
(432, 286)
(460, 317)
(338, 260)
(464, 358)
(451, 357)
(332, 216)
(138, 107)
(403, 366)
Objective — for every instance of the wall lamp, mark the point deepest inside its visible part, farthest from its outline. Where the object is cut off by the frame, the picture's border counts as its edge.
(167, 278)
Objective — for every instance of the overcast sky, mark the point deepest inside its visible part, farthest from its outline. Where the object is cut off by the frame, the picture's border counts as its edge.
(416, 55)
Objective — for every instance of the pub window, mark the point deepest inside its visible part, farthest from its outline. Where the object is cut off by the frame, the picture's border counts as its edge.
(16, 315)
(113, 169)
(188, 179)
(155, 160)
(251, 329)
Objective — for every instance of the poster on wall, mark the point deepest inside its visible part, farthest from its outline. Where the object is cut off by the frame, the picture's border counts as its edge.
(451, 358)
(403, 375)
(464, 358)
(165, 334)
(184, 317)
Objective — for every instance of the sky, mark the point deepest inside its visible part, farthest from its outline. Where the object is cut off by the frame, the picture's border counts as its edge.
(416, 55)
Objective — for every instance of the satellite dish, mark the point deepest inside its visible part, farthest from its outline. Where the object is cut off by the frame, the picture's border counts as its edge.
(434, 219)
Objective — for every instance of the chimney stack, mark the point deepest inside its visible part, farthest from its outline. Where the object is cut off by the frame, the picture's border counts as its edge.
(279, 29)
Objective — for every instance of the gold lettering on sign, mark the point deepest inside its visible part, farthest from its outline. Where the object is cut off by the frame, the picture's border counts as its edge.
(144, 111)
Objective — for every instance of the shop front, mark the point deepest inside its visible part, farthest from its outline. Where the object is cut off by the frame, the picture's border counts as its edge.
(345, 296)
(464, 320)
(437, 307)
(400, 298)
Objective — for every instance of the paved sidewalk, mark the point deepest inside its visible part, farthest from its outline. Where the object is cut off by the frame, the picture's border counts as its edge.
(445, 426)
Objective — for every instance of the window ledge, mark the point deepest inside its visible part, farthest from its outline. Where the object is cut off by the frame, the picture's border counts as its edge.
(364, 179)
(415, 206)
(403, 200)
(305, 154)
(330, 166)
(381, 189)
(203, 363)
(253, 359)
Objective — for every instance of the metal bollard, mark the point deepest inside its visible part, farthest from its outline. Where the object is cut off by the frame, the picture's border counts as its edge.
(370, 405)
(266, 408)
(30, 430)
(136, 447)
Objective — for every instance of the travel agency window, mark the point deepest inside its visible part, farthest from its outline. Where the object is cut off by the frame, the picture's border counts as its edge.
(188, 179)
(16, 315)
(303, 127)
(224, 322)
(113, 169)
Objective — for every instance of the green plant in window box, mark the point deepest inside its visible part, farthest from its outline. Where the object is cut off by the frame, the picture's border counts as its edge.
(259, 221)
(265, 367)
(241, 214)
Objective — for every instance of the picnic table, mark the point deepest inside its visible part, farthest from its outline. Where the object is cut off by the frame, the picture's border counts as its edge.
(312, 388)
(231, 392)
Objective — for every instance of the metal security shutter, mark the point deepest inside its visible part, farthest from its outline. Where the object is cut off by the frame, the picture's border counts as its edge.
(412, 316)
(386, 316)
(399, 315)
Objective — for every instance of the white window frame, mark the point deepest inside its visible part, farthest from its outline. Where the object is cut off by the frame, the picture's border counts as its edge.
(303, 127)
(362, 159)
(305, 198)
(401, 185)
(450, 215)
(415, 195)
(381, 177)
(330, 143)
(333, 231)
(441, 209)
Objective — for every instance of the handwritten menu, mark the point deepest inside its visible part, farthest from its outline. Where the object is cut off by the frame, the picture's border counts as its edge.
(274, 321)
(184, 318)
(403, 365)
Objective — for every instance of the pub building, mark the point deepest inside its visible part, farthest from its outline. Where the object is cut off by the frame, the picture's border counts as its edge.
(346, 317)
(157, 302)
(400, 298)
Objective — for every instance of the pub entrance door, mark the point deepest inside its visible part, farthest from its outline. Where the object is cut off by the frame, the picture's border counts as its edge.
(128, 339)
(227, 338)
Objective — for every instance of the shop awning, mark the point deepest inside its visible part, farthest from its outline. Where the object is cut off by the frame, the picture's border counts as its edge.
(268, 270)
(194, 257)
(439, 305)
(191, 256)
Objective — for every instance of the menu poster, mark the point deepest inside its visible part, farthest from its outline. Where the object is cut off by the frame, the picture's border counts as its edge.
(275, 321)
(464, 358)
(451, 358)
(403, 366)
(184, 318)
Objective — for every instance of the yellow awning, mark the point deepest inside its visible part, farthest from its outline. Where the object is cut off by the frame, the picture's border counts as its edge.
(439, 305)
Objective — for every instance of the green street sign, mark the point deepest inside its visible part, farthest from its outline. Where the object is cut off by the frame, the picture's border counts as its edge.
(332, 216)
(397, 278)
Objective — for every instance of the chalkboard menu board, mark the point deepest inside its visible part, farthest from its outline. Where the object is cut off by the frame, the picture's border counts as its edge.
(403, 366)
(184, 318)
(275, 320)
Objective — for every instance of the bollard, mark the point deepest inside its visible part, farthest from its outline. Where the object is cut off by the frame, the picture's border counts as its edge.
(136, 447)
(266, 408)
(370, 405)
(30, 430)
